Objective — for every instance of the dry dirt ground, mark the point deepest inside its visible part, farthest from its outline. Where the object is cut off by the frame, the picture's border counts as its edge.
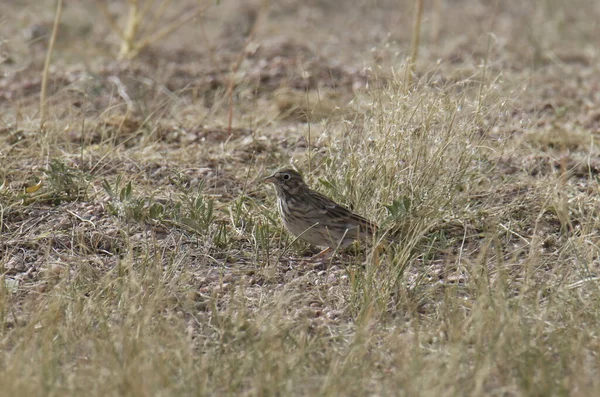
(140, 254)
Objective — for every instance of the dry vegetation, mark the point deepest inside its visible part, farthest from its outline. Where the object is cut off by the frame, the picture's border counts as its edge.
(141, 255)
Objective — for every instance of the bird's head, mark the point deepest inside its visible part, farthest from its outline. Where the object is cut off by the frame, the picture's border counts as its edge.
(287, 181)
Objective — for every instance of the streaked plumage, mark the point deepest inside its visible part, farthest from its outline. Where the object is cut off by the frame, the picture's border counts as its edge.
(313, 217)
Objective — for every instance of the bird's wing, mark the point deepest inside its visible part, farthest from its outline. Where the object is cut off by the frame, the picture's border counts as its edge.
(339, 213)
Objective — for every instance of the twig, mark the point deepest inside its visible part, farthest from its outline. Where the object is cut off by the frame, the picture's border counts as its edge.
(415, 43)
(122, 92)
(167, 30)
(133, 23)
(113, 25)
(435, 23)
(43, 92)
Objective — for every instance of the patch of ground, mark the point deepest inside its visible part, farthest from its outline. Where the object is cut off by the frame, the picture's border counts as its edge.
(140, 252)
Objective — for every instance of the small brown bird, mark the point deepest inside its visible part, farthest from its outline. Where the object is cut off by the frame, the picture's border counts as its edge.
(313, 217)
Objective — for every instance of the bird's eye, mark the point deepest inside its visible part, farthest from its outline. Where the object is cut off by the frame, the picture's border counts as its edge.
(286, 177)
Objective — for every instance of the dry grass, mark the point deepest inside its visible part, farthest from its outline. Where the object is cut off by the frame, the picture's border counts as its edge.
(141, 255)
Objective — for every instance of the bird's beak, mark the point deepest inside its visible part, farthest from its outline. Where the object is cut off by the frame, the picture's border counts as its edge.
(270, 179)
